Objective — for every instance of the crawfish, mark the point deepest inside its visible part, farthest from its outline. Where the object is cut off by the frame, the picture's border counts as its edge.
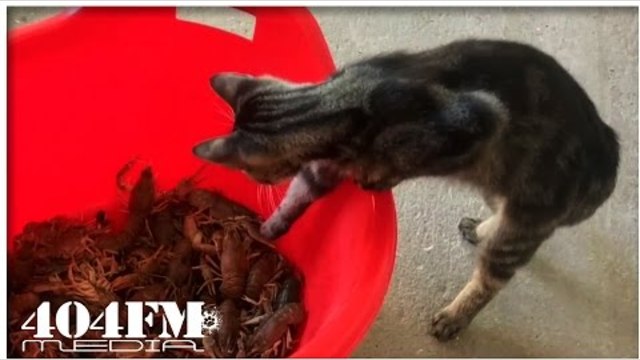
(67, 240)
(59, 237)
(21, 304)
(140, 203)
(210, 347)
(276, 326)
(242, 352)
(21, 272)
(210, 272)
(140, 206)
(219, 206)
(234, 264)
(181, 295)
(110, 263)
(200, 198)
(90, 285)
(191, 231)
(142, 270)
(261, 272)
(162, 227)
(186, 186)
(183, 189)
(154, 263)
(121, 183)
(229, 326)
(290, 292)
(288, 343)
(251, 226)
(154, 292)
(180, 266)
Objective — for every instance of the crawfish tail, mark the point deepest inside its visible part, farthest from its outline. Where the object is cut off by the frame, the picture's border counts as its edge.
(260, 273)
(276, 326)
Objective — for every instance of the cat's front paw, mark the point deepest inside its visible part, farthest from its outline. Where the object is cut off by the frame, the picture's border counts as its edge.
(445, 325)
(274, 228)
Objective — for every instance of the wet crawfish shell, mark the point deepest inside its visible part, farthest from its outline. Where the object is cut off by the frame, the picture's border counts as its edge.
(190, 227)
(291, 290)
(112, 242)
(180, 265)
(142, 195)
(200, 198)
(147, 260)
(140, 205)
(128, 281)
(141, 202)
(57, 238)
(21, 304)
(229, 325)
(261, 272)
(20, 272)
(207, 298)
(234, 266)
(224, 208)
(276, 326)
(163, 228)
(219, 206)
(171, 256)
(183, 295)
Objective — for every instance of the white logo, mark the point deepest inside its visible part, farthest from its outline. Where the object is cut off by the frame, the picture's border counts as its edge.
(180, 328)
(210, 320)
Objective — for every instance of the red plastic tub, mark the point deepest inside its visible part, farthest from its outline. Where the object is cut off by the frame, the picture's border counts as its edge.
(93, 88)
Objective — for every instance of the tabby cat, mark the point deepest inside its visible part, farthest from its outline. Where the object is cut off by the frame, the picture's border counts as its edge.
(499, 115)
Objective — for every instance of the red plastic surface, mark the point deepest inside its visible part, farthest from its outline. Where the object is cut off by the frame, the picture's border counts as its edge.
(90, 90)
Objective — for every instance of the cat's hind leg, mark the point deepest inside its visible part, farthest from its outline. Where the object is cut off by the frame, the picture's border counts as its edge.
(503, 248)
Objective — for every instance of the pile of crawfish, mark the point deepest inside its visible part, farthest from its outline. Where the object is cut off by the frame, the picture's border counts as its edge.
(188, 244)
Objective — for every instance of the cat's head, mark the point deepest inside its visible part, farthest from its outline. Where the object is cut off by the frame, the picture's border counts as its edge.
(258, 144)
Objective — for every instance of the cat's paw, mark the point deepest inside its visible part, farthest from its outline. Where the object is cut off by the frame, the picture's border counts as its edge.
(273, 229)
(467, 227)
(446, 325)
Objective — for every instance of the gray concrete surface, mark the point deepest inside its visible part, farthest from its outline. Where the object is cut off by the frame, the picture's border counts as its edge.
(579, 295)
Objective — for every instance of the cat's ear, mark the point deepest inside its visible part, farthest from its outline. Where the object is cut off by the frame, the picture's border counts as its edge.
(230, 86)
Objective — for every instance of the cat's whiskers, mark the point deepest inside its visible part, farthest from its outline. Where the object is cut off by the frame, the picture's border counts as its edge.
(226, 114)
(226, 118)
(263, 203)
(273, 196)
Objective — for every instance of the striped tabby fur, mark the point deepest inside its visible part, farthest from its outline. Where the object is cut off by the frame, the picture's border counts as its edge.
(501, 116)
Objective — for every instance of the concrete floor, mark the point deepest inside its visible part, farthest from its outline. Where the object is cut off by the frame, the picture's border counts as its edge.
(578, 297)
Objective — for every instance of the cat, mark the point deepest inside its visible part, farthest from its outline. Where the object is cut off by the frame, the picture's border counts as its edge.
(502, 116)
